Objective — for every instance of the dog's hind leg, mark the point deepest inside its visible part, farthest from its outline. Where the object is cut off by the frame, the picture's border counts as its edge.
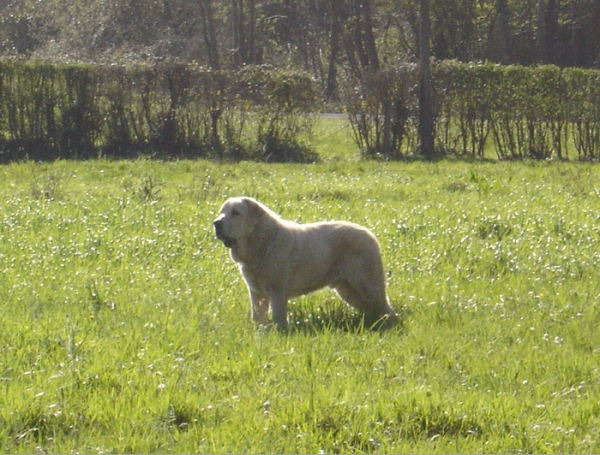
(351, 296)
(372, 302)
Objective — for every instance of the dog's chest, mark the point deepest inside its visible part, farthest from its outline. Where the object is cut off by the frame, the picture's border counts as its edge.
(252, 279)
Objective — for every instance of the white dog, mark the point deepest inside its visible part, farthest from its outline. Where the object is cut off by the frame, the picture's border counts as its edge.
(280, 259)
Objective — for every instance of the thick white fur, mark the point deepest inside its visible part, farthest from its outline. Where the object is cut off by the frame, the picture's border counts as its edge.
(281, 259)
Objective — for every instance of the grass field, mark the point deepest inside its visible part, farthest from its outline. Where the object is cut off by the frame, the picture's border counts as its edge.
(125, 326)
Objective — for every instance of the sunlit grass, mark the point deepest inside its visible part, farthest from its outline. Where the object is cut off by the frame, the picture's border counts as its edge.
(332, 139)
(125, 326)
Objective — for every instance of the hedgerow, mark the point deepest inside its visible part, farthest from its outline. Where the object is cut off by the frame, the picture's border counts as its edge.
(517, 111)
(170, 111)
(52, 111)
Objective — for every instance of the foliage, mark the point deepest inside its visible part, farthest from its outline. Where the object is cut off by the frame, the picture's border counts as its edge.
(126, 328)
(523, 112)
(175, 111)
(380, 111)
(306, 34)
(283, 102)
(170, 111)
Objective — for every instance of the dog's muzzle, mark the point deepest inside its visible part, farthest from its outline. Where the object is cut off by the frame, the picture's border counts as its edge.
(228, 241)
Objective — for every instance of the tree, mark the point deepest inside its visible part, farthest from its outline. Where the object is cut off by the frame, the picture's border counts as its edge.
(503, 13)
(364, 35)
(210, 38)
(335, 40)
(243, 28)
(547, 33)
(454, 29)
(331, 89)
(425, 108)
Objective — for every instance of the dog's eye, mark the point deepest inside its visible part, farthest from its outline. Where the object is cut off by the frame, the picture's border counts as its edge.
(235, 213)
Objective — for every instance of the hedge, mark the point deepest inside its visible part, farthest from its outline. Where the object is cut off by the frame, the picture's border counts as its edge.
(516, 111)
(169, 111)
(174, 111)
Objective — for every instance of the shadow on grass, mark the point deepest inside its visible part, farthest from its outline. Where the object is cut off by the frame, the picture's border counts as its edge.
(336, 316)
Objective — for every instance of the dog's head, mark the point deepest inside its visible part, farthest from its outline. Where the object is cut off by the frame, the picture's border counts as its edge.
(237, 219)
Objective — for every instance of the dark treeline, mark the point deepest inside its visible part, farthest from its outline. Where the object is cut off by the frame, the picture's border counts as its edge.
(335, 41)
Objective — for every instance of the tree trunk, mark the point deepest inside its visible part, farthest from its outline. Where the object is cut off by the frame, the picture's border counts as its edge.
(250, 54)
(425, 108)
(331, 90)
(542, 50)
(369, 38)
(503, 12)
(359, 47)
(551, 30)
(237, 32)
(210, 38)
(363, 37)
(574, 46)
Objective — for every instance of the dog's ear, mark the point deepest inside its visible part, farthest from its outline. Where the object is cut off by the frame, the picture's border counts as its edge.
(255, 210)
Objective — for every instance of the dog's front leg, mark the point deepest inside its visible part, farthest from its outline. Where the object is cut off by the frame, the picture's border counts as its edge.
(260, 308)
(279, 310)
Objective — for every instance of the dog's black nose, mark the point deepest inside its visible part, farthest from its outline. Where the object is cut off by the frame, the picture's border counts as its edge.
(218, 226)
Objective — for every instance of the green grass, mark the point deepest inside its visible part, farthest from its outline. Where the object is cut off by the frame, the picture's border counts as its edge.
(126, 328)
